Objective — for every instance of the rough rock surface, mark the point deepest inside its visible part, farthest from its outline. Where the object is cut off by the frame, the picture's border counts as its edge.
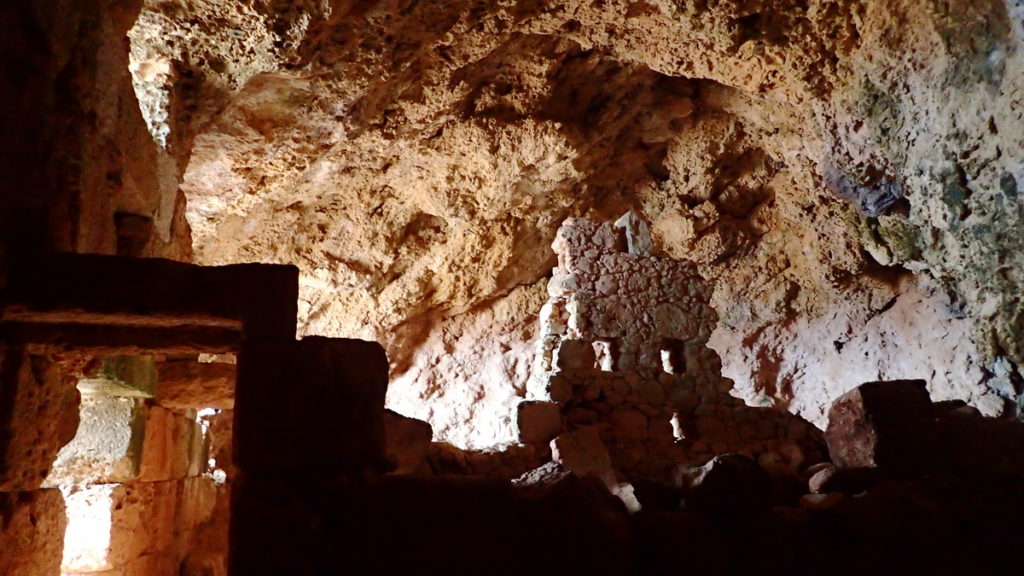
(471, 367)
(39, 415)
(184, 385)
(149, 525)
(84, 173)
(847, 189)
(32, 528)
(886, 425)
(107, 446)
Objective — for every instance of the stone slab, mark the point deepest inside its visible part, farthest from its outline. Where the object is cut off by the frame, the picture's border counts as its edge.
(120, 375)
(314, 405)
(98, 339)
(107, 446)
(538, 421)
(583, 453)
(148, 292)
(408, 442)
(138, 528)
(173, 447)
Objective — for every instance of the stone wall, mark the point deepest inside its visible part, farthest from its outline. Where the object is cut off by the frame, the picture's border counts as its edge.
(139, 495)
(38, 415)
(624, 349)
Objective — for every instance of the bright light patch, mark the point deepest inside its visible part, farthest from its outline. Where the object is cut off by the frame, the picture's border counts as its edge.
(87, 539)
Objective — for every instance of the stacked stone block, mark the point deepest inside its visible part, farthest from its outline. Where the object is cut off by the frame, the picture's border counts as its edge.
(623, 349)
(74, 307)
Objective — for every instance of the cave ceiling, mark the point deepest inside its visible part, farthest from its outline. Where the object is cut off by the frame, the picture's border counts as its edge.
(845, 173)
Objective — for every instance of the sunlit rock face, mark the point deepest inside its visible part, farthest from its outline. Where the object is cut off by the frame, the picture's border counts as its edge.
(845, 174)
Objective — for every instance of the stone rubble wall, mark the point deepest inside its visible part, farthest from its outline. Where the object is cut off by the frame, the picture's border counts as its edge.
(653, 389)
(633, 302)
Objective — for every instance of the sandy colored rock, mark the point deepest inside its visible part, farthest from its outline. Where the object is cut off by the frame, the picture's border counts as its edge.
(539, 421)
(407, 442)
(149, 525)
(785, 168)
(38, 417)
(658, 398)
(885, 425)
(196, 385)
(574, 355)
(108, 446)
(124, 376)
(470, 367)
(99, 167)
(173, 446)
(847, 192)
(583, 453)
(32, 528)
(208, 564)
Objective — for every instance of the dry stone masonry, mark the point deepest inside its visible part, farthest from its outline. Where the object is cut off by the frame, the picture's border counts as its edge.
(623, 350)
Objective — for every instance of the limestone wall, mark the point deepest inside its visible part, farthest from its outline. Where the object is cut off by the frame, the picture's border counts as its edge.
(624, 349)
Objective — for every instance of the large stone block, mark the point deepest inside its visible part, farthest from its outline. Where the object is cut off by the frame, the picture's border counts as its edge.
(173, 447)
(107, 446)
(538, 421)
(197, 385)
(112, 290)
(102, 339)
(139, 528)
(575, 355)
(408, 442)
(38, 415)
(885, 425)
(583, 453)
(315, 405)
(32, 528)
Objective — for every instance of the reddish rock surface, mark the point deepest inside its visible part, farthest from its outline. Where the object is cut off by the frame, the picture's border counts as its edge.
(886, 425)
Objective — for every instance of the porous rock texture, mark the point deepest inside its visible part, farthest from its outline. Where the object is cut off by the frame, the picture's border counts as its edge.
(846, 174)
